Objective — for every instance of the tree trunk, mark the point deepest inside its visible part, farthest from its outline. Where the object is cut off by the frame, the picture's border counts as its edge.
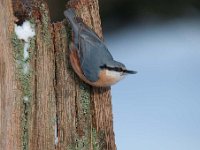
(48, 107)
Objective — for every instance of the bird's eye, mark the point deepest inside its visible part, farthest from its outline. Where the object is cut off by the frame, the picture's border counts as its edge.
(103, 67)
(118, 69)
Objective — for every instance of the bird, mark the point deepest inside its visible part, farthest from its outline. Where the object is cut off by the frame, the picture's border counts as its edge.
(89, 56)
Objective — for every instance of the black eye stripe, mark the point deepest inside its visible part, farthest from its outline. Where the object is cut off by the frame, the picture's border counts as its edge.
(112, 68)
(118, 69)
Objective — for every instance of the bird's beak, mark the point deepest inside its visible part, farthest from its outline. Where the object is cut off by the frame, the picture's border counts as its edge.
(129, 72)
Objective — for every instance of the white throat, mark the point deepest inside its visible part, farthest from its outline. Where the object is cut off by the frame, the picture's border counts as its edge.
(115, 75)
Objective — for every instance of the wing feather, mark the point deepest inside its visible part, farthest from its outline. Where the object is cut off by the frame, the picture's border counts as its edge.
(93, 54)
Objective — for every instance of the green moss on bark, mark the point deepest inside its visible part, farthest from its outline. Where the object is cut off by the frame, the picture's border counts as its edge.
(45, 22)
(85, 98)
(24, 81)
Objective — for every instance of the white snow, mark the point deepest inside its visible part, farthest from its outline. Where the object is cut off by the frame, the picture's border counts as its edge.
(26, 68)
(26, 53)
(56, 133)
(25, 31)
(26, 98)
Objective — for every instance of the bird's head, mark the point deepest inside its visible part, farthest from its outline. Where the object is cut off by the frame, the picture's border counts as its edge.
(116, 70)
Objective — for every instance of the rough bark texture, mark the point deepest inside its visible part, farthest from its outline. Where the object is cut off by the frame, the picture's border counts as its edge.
(11, 104)
(49, 108)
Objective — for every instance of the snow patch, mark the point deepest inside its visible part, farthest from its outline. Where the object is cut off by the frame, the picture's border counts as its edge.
(56, 132)
(26, 53)
(25, 31)
(26, 68)
(26, 98)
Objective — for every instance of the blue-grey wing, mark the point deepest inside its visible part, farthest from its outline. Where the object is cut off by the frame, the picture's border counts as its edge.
(93, 54)
(84, 29)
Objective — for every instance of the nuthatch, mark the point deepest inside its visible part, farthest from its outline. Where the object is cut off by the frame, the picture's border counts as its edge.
(89, 56)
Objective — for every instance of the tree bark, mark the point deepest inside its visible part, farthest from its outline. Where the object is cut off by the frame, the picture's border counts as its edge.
(49, 108)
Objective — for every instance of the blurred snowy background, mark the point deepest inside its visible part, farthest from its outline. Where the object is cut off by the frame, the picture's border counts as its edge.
(158, 108)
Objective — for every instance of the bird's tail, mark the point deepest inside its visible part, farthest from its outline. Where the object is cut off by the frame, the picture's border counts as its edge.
(71, 17)
(70, 14)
